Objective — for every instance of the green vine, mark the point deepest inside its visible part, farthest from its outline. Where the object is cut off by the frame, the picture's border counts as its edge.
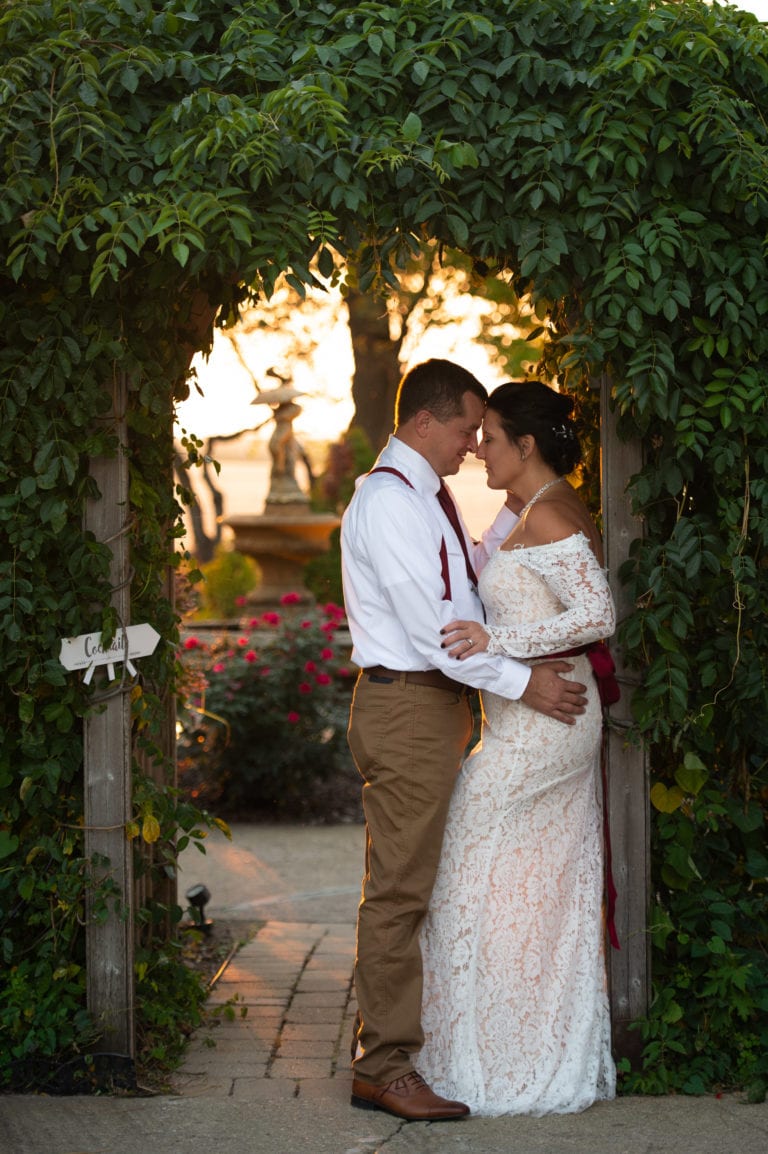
(163, 162)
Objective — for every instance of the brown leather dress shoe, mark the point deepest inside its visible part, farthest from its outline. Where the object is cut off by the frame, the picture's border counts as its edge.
(407, 1097)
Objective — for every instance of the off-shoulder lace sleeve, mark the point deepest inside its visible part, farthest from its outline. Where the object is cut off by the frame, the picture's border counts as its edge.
(573, 575)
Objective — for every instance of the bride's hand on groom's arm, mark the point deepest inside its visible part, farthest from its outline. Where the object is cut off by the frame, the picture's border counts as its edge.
(463, 638)
(553, 694)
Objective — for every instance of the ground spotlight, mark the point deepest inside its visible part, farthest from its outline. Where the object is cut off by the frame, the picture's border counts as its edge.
(198, 897)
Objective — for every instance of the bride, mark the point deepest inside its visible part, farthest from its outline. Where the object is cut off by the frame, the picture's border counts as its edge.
(515, 1008)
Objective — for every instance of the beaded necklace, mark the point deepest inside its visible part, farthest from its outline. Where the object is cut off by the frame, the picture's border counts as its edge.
(539, 493)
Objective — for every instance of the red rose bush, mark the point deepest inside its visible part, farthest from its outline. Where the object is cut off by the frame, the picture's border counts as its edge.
(266, 706)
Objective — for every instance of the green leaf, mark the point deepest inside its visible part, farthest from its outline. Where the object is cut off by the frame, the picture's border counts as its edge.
(325, 263)
(756, 863)
(181, 251)
(673, 1012)
(26, 708)
(749, 817)
(412, 127)
(692, 775)
(463, 155)
(459, 228)
(9, 843)
(129, 78)
(88, 94)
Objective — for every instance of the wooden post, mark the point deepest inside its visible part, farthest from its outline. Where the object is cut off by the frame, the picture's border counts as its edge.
(107, 769)
(629, 967)
(107, 747)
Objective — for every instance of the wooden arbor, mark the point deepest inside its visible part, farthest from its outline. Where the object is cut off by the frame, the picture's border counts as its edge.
(589, 147)
(627, 769)
(108, 758)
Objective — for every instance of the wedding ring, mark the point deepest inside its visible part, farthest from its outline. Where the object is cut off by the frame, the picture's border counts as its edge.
(469, 642)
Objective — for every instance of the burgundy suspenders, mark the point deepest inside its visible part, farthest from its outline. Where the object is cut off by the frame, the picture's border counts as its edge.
(443, 549)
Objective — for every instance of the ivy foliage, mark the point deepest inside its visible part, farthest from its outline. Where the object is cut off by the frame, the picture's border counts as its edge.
(163, 161)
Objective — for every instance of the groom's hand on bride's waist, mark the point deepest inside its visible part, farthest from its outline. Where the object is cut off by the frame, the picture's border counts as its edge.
(553, 694)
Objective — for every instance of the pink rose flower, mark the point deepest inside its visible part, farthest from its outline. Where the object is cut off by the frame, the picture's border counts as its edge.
(293, 717)
(290, 598)
(218, 667)
(343, 671)
(323, 679)
(326, 654)
(243, 640)
(191, 643)
(271, 618)
(249, 656)
(310, 667)
(305, 687)
(306, 625)
(241, 601)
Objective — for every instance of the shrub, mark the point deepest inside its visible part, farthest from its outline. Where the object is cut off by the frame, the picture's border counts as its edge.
(227, 579)
(707, 1025)
(266, 711)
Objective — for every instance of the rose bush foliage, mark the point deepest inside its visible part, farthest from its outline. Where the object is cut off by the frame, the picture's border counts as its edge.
(265, 711)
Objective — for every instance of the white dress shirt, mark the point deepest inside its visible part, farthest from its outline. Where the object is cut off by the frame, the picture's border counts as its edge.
(393, 585)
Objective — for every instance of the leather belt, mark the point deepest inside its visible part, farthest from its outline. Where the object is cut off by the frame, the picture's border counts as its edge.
(430, 677)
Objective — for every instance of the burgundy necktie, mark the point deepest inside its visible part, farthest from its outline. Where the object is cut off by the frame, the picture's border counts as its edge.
(448, 507)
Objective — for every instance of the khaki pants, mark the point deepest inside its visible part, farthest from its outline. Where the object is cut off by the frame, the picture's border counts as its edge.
(408, 742)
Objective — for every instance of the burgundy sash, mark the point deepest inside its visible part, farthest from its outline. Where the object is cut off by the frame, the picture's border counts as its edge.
(603, 668)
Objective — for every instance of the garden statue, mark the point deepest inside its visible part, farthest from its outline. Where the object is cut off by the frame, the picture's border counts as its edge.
(287, 534)
(285, 450)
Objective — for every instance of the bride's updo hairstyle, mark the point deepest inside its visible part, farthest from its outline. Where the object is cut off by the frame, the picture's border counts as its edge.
(529, 408)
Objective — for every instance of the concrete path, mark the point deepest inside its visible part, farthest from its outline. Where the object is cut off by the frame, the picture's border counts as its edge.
(270, 1072)
(282, 873)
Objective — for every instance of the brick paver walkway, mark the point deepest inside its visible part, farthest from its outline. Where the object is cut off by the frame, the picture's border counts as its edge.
(283, 1009)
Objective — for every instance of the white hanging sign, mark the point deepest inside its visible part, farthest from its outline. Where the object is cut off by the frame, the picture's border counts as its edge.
(87, 651)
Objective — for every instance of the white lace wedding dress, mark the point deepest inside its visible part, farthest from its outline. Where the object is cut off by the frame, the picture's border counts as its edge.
(515, 1008)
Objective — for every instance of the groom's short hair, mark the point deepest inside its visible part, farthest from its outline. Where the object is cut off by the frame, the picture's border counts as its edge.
(437, 386)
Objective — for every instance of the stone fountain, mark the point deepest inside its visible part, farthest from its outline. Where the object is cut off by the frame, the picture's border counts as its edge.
(287, 534)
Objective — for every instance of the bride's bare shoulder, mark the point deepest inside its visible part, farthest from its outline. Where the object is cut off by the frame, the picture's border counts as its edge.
(559, 519)
(554, 520)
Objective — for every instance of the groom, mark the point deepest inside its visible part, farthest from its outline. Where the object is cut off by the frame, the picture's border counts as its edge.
(409, 567)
